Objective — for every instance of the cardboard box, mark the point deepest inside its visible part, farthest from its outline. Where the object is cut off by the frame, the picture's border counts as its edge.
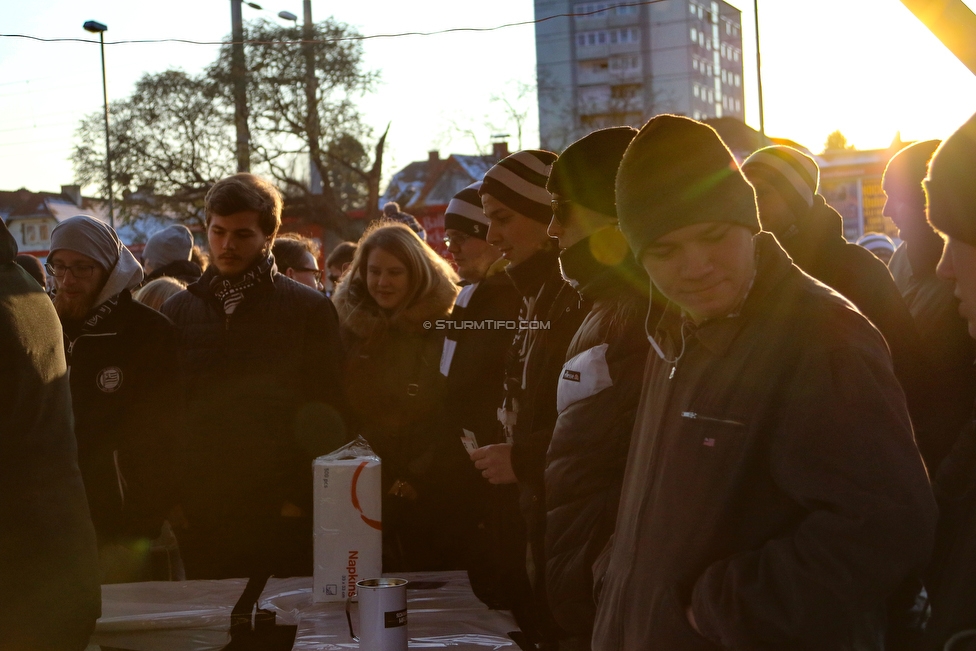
(348, 521)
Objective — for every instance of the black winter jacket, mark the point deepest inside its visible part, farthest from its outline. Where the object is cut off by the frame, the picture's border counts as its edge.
(473, 360)
(262, 395)
(597, 397)
(125, 390)
(552, 311)
(952, 575)
(48, 561)
(772, 484)
(817, 246)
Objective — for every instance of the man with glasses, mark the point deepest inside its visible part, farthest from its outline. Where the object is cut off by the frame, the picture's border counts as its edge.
(473, 361)
(297, 257)
(124, 380)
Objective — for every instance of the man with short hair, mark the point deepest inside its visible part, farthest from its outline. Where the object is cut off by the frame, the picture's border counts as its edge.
(773, 496)
(942, 332)
(600, 383)
(519, 210)
(261, 359)
(391, 211)
(951, 196)
(124, 388)
(168, 253)
(48, 556)
(297, 257)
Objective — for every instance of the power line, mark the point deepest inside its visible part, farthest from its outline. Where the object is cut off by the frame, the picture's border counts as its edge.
(338, 40)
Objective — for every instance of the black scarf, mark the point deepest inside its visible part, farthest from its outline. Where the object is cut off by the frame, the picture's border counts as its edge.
(231, 292)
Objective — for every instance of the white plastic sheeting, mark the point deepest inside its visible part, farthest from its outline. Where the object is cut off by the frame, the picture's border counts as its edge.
(446, 616)
(443, 613)
(168, 615)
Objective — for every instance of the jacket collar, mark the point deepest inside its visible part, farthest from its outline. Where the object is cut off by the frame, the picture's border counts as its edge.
(595, 278)
(529, 276)
(202, 287)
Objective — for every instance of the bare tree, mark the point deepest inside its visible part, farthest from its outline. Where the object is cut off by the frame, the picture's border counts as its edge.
(282, 127)
(171, 140)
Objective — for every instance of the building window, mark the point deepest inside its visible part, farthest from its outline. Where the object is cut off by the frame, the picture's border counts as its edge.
(691, 8)
(694, 90)
(601, 38)
(735, 54)
(738, 81)
(627, 11)
(701, 39)
(724, 77)
(591, 38)
(698, 115)
(694, 34)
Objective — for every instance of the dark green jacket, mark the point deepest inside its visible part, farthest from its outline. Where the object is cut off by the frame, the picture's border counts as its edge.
(772, 484)
(49, 593)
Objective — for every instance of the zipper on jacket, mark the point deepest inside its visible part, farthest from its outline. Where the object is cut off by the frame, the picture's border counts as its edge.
(71, 344)
(709, 419)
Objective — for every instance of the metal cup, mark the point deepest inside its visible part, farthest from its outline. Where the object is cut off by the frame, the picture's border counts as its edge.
(382, 614)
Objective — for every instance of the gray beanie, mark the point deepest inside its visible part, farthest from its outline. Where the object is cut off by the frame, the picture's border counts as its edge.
(173, 243)
(88, 236)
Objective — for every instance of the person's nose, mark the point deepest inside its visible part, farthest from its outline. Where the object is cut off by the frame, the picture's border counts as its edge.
(945, 270)
(555, 228)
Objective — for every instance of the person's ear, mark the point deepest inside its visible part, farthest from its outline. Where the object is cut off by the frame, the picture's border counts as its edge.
(290, 273)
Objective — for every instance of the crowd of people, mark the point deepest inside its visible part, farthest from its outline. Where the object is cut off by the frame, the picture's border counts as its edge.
(657, 400)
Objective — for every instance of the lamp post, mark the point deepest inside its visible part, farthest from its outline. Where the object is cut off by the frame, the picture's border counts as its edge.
(762, 114)
(98, 28)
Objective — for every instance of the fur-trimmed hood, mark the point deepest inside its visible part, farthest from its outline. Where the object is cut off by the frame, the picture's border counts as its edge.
(360, 315)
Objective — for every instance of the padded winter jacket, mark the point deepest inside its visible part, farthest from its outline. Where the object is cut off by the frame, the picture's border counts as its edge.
(262, 389)
(597, 396)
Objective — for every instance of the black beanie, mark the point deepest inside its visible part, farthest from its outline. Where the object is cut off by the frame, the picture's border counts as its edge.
(908, 168)
(586, 171)
(949, 187)
(677, 172)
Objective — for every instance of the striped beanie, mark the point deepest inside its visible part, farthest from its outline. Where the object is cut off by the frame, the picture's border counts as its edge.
(465, 214)
(794, 175)
(876, 242)
(519, 182)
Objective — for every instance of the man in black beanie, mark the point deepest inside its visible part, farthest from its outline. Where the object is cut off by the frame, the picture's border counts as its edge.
(773, 496)
(951, 197)
(600, 383)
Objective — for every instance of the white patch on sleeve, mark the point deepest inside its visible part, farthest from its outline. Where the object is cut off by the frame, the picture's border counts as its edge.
(447, 356)
(585, 375)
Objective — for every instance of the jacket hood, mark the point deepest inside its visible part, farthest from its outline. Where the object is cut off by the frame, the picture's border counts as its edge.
(359, 313)
(126, 274)
(8, 246)
(805, 239)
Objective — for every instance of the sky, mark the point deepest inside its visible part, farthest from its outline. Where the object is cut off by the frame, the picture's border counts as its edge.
(866, 67)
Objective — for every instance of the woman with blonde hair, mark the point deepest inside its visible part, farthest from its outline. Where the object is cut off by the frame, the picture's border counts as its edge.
(389, 303)
(155, 292)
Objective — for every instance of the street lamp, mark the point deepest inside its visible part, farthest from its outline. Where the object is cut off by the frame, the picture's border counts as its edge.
(98, 28)
(287, 15)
